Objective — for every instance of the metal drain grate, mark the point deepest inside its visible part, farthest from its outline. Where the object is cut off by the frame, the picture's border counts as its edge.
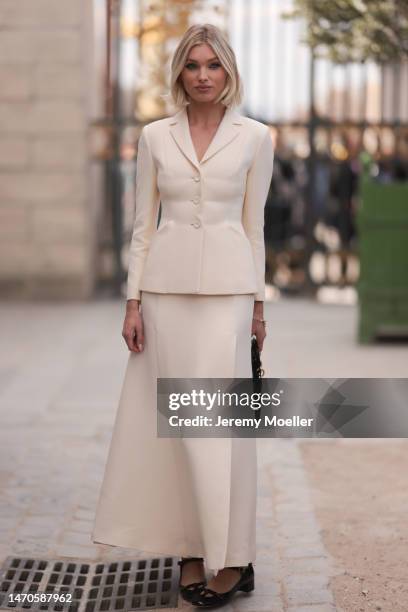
(140, 584)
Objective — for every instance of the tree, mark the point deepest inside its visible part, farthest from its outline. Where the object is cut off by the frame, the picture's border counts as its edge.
(355, 30)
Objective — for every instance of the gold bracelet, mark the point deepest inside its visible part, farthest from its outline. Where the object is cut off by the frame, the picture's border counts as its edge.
(260, 320)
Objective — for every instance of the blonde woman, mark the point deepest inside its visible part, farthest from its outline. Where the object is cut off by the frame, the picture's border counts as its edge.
(195, 296)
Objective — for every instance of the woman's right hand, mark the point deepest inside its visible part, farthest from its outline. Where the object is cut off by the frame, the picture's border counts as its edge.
(132, 331)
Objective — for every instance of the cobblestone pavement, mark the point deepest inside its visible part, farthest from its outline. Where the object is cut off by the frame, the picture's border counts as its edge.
(61, 368)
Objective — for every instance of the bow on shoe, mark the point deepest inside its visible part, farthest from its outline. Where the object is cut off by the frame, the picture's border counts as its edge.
(207, 598)
(188, 591)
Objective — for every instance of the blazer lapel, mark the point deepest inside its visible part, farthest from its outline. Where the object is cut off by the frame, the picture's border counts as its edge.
(226, 132)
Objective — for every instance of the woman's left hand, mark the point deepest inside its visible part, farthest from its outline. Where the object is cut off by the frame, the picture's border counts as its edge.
(258, 329)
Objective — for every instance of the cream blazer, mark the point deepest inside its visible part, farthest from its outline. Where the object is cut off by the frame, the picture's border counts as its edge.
(210, 239)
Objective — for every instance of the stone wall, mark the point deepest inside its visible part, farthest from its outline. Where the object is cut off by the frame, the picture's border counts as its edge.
(47, 232)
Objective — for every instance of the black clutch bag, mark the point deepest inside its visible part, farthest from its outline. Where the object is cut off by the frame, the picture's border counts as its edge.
(257, 370)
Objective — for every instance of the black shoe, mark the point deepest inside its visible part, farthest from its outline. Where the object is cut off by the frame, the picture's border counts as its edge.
(207, 598)
(188, 591)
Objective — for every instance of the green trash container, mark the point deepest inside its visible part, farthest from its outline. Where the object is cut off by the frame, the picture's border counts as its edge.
(382, 223)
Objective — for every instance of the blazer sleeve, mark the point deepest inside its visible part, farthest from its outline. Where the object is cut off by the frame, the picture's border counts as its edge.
(147, 206)
(253, 215)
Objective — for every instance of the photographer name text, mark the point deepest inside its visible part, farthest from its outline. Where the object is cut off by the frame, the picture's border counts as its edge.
(266, 421)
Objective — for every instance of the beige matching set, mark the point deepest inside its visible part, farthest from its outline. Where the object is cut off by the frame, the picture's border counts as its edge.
(197, 275)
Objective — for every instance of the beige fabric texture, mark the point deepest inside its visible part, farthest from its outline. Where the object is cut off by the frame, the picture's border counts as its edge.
(210, 238)
(182, 496)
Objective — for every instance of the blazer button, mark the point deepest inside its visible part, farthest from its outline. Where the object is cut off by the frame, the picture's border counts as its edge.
(196, 178)
(196, 224)
(195, 200)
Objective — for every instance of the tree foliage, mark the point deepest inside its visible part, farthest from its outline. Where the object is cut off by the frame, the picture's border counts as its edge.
(355, 30)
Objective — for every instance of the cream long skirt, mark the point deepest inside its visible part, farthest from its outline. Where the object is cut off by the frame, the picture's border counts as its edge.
(181, 496)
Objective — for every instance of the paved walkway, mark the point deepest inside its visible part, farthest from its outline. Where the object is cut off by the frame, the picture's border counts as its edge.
(61, 368)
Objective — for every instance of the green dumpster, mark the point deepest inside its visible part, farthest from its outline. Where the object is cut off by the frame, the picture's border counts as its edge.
(382, 223)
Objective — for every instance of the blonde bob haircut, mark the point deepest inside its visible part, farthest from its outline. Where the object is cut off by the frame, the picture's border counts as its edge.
(198, 34)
